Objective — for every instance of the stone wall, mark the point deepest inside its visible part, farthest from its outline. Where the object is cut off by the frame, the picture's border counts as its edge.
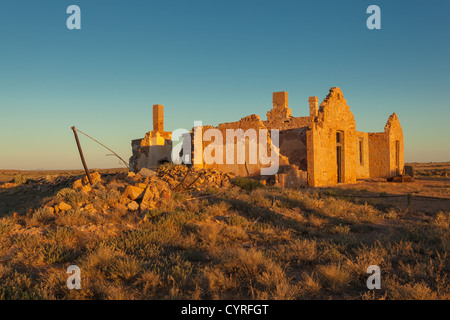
(309, 147)
(383, 150)
(362, 161)
(395, 133)
(245, 166)
(333, 116)
(292, 178)
(293, 146)
(379, 155)
(155, 147)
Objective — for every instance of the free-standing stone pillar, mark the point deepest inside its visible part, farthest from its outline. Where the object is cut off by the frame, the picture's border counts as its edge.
(313, 106)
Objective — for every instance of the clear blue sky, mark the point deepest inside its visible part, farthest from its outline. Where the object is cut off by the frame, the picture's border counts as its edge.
(215, 61)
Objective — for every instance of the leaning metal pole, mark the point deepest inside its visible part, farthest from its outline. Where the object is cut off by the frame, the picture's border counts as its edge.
(115, 154)
(81, 154)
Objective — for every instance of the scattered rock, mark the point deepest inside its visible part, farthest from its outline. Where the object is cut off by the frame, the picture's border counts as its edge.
(64, 206)
(50, 209)
(120, 206)
(78, 184)
(147, 199)
(89, 207)
(141, 185)
(86, 189)
(133, 206)
(132, 192)
(95, 177)
(147, 172)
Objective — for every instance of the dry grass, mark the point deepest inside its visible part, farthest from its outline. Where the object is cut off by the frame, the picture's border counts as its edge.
(238, 243)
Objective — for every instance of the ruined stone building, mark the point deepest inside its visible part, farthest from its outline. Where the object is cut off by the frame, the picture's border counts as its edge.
(156, 147)
(320, 149)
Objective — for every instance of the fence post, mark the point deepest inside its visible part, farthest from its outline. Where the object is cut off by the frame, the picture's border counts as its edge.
(409, 197)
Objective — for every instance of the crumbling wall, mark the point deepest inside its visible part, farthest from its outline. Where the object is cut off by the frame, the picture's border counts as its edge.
(383, 162)
(292, 178)
(333, 116)
(249, 166)
(308, 146)
(293, 146)
(155, 147)
(378, 155)
(395, 133)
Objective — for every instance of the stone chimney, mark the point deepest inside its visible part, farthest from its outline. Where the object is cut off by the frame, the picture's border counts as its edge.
(158, 117)
(313, 106)
(280, 100)
(280, 111)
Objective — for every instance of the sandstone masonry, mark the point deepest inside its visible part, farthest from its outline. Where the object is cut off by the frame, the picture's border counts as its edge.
(321, 149)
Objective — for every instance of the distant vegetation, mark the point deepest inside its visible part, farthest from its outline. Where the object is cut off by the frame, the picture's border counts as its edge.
(19, 179)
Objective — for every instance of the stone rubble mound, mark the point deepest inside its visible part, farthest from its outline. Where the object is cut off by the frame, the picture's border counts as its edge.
(128, 191)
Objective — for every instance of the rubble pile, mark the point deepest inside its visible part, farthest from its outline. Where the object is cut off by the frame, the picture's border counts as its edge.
(192, 178)
(128, 191)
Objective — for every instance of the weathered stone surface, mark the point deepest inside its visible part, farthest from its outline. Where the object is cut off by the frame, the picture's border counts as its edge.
(133, 206)
(86, 188)
(156, 147)
(293, 178)
(95, 177)
(49, 208)
(132, 192)
(325, 146)
(141, 185)
(145, 172)
(147, 199)
(64, 206)
(78, 184)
